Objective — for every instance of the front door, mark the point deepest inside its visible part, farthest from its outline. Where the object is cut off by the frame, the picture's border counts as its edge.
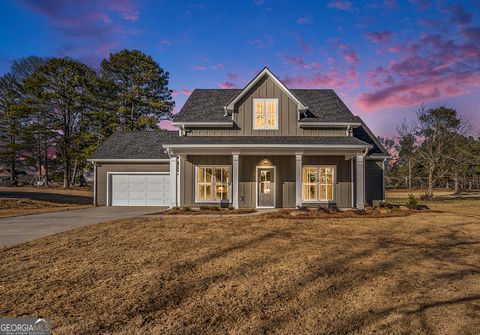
(266, 187)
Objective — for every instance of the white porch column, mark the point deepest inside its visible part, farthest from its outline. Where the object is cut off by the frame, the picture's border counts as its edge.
(360, 180)
(173, 181)
(235, 179)
(298, 179)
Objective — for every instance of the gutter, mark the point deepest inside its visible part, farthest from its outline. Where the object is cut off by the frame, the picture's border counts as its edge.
(329, 124)
(101, 160)
(226, 124)
(317, 146)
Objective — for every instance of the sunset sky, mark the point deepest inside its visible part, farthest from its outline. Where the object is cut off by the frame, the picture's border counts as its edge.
(385, 58)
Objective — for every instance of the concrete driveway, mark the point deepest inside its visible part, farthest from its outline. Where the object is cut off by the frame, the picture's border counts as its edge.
(21, 229)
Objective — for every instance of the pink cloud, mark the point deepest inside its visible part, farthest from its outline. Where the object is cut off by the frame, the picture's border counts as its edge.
(394, 48)
(414, 92)
(459, 15)
(218, 67)
(305, 46)
(378, 36)
(317, 79)
(200, 67)
(349, 54)
(232, 76)
(226, 85)
(340, 4)
(126, 8)
(175, 93)
(186, 91)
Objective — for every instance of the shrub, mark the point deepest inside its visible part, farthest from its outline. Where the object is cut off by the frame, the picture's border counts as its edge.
(424, 196)
(412, 202)
(333, 208)
(214, 208)
(186, 209)
(175, 208)
(204, 208)
(302, 208)
(231, 208)
(360, 211)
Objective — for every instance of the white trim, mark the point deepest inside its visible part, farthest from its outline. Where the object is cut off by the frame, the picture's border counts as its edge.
(360, 181)
(229, 167)
(328, 124)
(254, 117)
(378, 157)
(123, 160)
(235, 173)
(334, 200)
(298, 178)
(110, 173)
(173, 181)
(265, 71)
(274, 185)
(353, 183)
(223, 124)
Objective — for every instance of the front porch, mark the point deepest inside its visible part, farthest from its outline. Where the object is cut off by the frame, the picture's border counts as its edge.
(278, 180)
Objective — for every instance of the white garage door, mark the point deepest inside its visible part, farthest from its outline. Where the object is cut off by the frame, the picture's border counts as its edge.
(140, 190)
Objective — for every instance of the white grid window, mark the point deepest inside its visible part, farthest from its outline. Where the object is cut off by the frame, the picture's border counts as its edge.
(318, 183)
(213, 183)
(265, 114)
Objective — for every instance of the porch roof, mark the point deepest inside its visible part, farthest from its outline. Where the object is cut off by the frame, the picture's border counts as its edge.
(339, 141)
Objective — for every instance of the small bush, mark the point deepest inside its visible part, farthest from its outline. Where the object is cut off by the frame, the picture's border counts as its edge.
(204, 208)
(231, 208)
(412, 202)
(360, 211)
(214, 208)
(302, 208)
(186, 209)
(333, 208)
(175, 208)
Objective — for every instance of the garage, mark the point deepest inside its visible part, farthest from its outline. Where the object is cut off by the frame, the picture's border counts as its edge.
(139, 189)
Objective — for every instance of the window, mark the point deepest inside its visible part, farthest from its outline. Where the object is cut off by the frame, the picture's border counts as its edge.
(265, 114)
(213, 183)
(318, 183)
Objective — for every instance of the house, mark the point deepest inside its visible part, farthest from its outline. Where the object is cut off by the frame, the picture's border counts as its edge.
(262, 146)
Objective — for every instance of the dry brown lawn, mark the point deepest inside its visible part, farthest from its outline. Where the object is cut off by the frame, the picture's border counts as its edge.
(418, 274)
(16, 201)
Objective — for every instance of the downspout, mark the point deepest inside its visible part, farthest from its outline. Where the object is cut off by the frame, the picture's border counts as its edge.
(95, 183)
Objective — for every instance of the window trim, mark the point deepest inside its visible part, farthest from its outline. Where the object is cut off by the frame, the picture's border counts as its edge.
(229, 167)
(318, 201)
(265, 113)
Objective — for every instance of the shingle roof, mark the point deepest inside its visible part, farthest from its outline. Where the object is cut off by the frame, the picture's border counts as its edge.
(134, 145)
(207, 105)
(325, 140)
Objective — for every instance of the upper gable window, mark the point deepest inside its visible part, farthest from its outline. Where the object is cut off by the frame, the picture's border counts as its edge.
(265, 114)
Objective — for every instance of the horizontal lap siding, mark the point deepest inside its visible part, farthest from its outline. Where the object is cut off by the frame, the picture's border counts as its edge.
(103, 168)
(343, 187)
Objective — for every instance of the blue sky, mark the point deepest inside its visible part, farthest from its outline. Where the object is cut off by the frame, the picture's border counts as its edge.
(385, 58)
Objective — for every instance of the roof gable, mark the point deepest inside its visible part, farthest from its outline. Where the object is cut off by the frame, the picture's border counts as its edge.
(265, 72)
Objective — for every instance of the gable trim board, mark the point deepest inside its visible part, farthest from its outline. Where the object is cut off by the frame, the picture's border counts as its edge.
(265, 71)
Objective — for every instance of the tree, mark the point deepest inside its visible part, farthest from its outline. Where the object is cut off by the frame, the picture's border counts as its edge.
(11, 118)
(436, 130)
(33, 134)
(407, 149)
(65, 89)
(140, 94)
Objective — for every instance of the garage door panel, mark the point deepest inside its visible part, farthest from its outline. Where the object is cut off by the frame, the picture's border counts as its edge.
(140, 189)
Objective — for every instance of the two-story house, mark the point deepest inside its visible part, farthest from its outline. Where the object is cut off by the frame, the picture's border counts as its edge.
(263, 146)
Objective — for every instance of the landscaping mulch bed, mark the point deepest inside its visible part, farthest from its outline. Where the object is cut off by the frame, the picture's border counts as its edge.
(316, 213)
(219, 211)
